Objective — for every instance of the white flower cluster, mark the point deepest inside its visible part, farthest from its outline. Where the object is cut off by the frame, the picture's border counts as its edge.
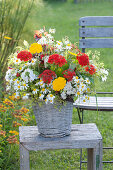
(100, 70)
(21, 83)
(45, 92)
(77, 87)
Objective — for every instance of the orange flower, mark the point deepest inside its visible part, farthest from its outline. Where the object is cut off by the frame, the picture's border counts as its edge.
(8, 102)
(24, 110)
(16, 124)
(12, 140)
(3, 133)
(12, 97)
(2, 108)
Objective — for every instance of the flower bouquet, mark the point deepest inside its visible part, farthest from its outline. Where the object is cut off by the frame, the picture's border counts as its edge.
(51, 71)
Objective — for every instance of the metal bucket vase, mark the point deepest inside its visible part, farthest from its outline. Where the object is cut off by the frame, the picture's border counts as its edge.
(54, 122)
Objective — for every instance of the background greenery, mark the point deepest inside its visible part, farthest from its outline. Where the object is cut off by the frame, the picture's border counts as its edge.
(64, 16)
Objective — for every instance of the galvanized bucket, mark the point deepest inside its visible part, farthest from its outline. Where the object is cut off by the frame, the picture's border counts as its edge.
(54, 122)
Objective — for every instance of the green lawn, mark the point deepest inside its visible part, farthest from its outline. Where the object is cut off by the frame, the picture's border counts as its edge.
(65, 18)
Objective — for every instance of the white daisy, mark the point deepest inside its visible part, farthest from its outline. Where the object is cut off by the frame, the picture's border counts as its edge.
(35, 91)
(52, 31)
(17, 95)
(25, 96)
(51, 98)
(44, 91)
(25, 85)
(46, 100)
(41, 96)
(87, 81)
(33, 61)
(68, 46)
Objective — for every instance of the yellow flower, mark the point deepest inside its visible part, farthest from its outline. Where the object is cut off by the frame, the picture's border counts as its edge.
(14, 132)
(0, 125)
(24, 110)
(12, 97)
(78, 93)
(24, 119)
(72, 53)
(43, 89)
(88, 89)
(8, 38)
(8, 102)
(59, 83)
(35, 48)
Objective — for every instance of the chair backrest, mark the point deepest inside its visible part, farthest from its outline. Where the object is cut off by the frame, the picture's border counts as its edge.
(96, 32)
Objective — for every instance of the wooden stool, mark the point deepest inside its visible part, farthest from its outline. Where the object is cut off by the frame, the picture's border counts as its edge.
(82, 136)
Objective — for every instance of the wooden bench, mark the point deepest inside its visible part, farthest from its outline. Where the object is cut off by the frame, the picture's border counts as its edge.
(82, 136)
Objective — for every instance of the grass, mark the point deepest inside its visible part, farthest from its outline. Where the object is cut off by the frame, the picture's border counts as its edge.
(65, 18)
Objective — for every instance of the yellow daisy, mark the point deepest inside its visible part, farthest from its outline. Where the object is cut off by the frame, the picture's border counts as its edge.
(59, 83)
(35, 48)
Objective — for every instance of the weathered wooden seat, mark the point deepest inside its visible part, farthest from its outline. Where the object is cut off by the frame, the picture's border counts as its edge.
(82, 136)
(95, 32)
(99, 103)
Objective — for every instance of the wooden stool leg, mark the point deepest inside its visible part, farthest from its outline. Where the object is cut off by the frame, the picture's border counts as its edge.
(95, 158)
(24, 158)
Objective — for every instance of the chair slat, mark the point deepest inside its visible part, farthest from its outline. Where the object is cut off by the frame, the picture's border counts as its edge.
(96, 32)
(96, 21)
(96, 43)
(102, 103)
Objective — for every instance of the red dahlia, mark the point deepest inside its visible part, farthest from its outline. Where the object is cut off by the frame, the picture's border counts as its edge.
(83, 59)
(17, 75)
(68, 74)
(24, 55)
(47, 76)
(91, 69)
(57, 60)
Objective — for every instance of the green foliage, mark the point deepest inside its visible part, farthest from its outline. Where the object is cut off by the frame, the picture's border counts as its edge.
(12, 115)
(13, 15)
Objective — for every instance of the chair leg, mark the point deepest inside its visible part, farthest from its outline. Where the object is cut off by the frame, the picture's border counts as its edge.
(81, 118)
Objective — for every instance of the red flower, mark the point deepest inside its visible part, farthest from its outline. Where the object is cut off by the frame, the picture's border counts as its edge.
(18, 75)
(91, 69)
(41, 56)
(47, 76)
(24, 55)
(68, 74)
(83, 59)
(57, 60)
